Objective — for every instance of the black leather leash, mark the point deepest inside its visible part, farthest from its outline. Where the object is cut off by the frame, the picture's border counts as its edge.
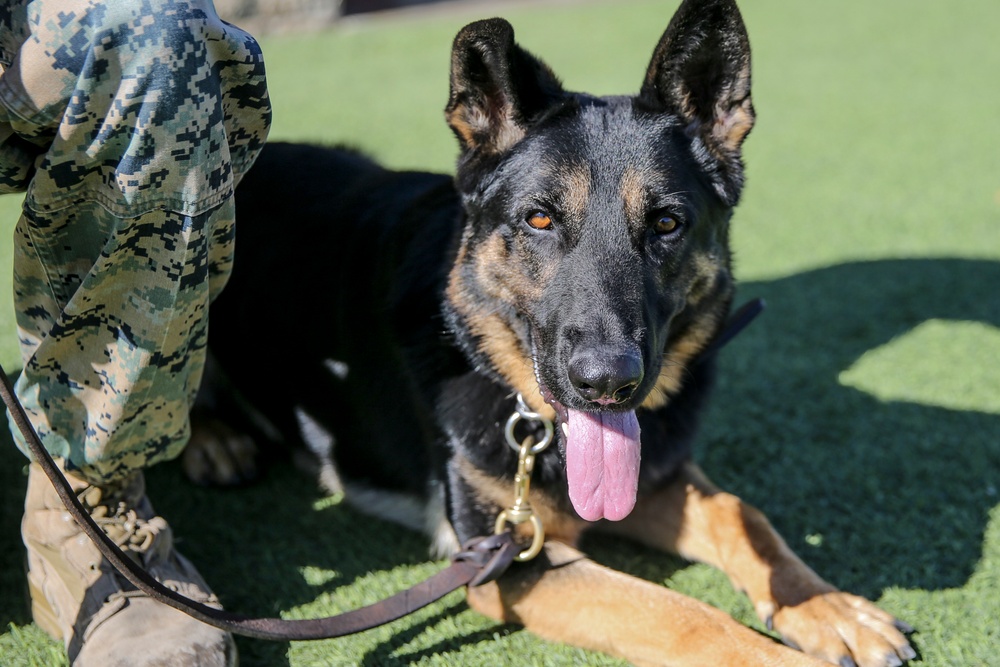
(481, 560)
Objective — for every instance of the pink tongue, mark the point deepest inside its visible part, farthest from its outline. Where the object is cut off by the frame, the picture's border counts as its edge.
(602, 463)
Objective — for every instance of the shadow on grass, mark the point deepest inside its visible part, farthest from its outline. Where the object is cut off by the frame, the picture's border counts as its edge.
(872, 494)
(387, 653)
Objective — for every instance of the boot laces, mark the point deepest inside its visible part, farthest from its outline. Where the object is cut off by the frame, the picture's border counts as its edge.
(119, 519)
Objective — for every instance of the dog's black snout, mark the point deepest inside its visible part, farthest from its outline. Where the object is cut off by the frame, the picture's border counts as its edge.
(605, 378)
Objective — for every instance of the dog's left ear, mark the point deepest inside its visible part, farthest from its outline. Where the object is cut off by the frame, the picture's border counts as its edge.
(497, 88)
(700, 71)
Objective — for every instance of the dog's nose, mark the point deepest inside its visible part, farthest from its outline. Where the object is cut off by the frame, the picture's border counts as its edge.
(605, 378)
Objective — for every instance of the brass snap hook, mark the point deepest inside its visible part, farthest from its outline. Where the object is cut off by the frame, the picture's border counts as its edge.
(520, 511)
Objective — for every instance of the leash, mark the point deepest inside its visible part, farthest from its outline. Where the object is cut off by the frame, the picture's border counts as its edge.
(481, 560)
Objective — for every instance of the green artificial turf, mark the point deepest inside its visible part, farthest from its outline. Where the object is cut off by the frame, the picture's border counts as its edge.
(861, 412)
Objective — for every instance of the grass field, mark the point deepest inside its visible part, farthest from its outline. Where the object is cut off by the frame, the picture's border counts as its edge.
(862, 412)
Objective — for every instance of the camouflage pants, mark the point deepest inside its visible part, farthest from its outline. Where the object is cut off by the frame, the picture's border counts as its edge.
(127, 124)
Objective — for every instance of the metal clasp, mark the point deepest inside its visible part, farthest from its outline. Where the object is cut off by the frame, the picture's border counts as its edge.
(520, 511)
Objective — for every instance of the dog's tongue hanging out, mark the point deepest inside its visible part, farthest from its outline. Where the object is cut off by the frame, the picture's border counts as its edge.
(602, 463)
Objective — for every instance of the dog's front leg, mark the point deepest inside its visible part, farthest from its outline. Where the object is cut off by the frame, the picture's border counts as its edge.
(563, 596)
(695, 519)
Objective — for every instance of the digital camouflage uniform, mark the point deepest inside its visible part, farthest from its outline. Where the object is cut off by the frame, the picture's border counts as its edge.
(127, 123)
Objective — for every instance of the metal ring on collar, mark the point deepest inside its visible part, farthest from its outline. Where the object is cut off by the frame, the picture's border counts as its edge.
(526, 413)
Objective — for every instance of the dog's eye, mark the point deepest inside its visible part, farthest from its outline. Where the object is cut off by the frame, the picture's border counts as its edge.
(666, 224)
(539, 220)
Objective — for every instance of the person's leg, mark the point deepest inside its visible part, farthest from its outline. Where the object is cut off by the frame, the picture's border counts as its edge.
(122, 361)
(112, 316)
(130, 124)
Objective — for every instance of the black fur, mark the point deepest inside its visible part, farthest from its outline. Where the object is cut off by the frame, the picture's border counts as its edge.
(339, 259)
(579, 257)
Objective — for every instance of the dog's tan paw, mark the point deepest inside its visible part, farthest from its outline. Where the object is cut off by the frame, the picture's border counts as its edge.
(218, 455)
(845, 630)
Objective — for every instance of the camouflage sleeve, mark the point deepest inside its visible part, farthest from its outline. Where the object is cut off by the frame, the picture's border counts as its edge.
(128, 124)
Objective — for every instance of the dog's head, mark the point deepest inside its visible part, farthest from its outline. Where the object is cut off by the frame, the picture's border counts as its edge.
(594, 264)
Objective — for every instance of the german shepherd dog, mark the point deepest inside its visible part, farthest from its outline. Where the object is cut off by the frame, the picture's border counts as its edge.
(580, 259)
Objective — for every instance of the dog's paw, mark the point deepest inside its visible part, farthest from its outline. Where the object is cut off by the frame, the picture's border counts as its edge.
(218, 455)
(844, 629)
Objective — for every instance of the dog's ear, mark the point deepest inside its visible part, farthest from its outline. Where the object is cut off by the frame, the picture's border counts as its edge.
(497, 88)
(701, 71)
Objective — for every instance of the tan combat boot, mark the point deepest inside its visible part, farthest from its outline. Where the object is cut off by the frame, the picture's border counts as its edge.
(79, 598)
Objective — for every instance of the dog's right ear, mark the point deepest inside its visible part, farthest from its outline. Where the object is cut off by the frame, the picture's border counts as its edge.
(700, 70)
(497, 88)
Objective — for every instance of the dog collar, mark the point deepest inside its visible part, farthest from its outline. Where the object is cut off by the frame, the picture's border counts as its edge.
(735, 325)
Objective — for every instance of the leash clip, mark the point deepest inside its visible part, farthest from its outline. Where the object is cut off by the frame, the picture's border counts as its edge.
(521, 511)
